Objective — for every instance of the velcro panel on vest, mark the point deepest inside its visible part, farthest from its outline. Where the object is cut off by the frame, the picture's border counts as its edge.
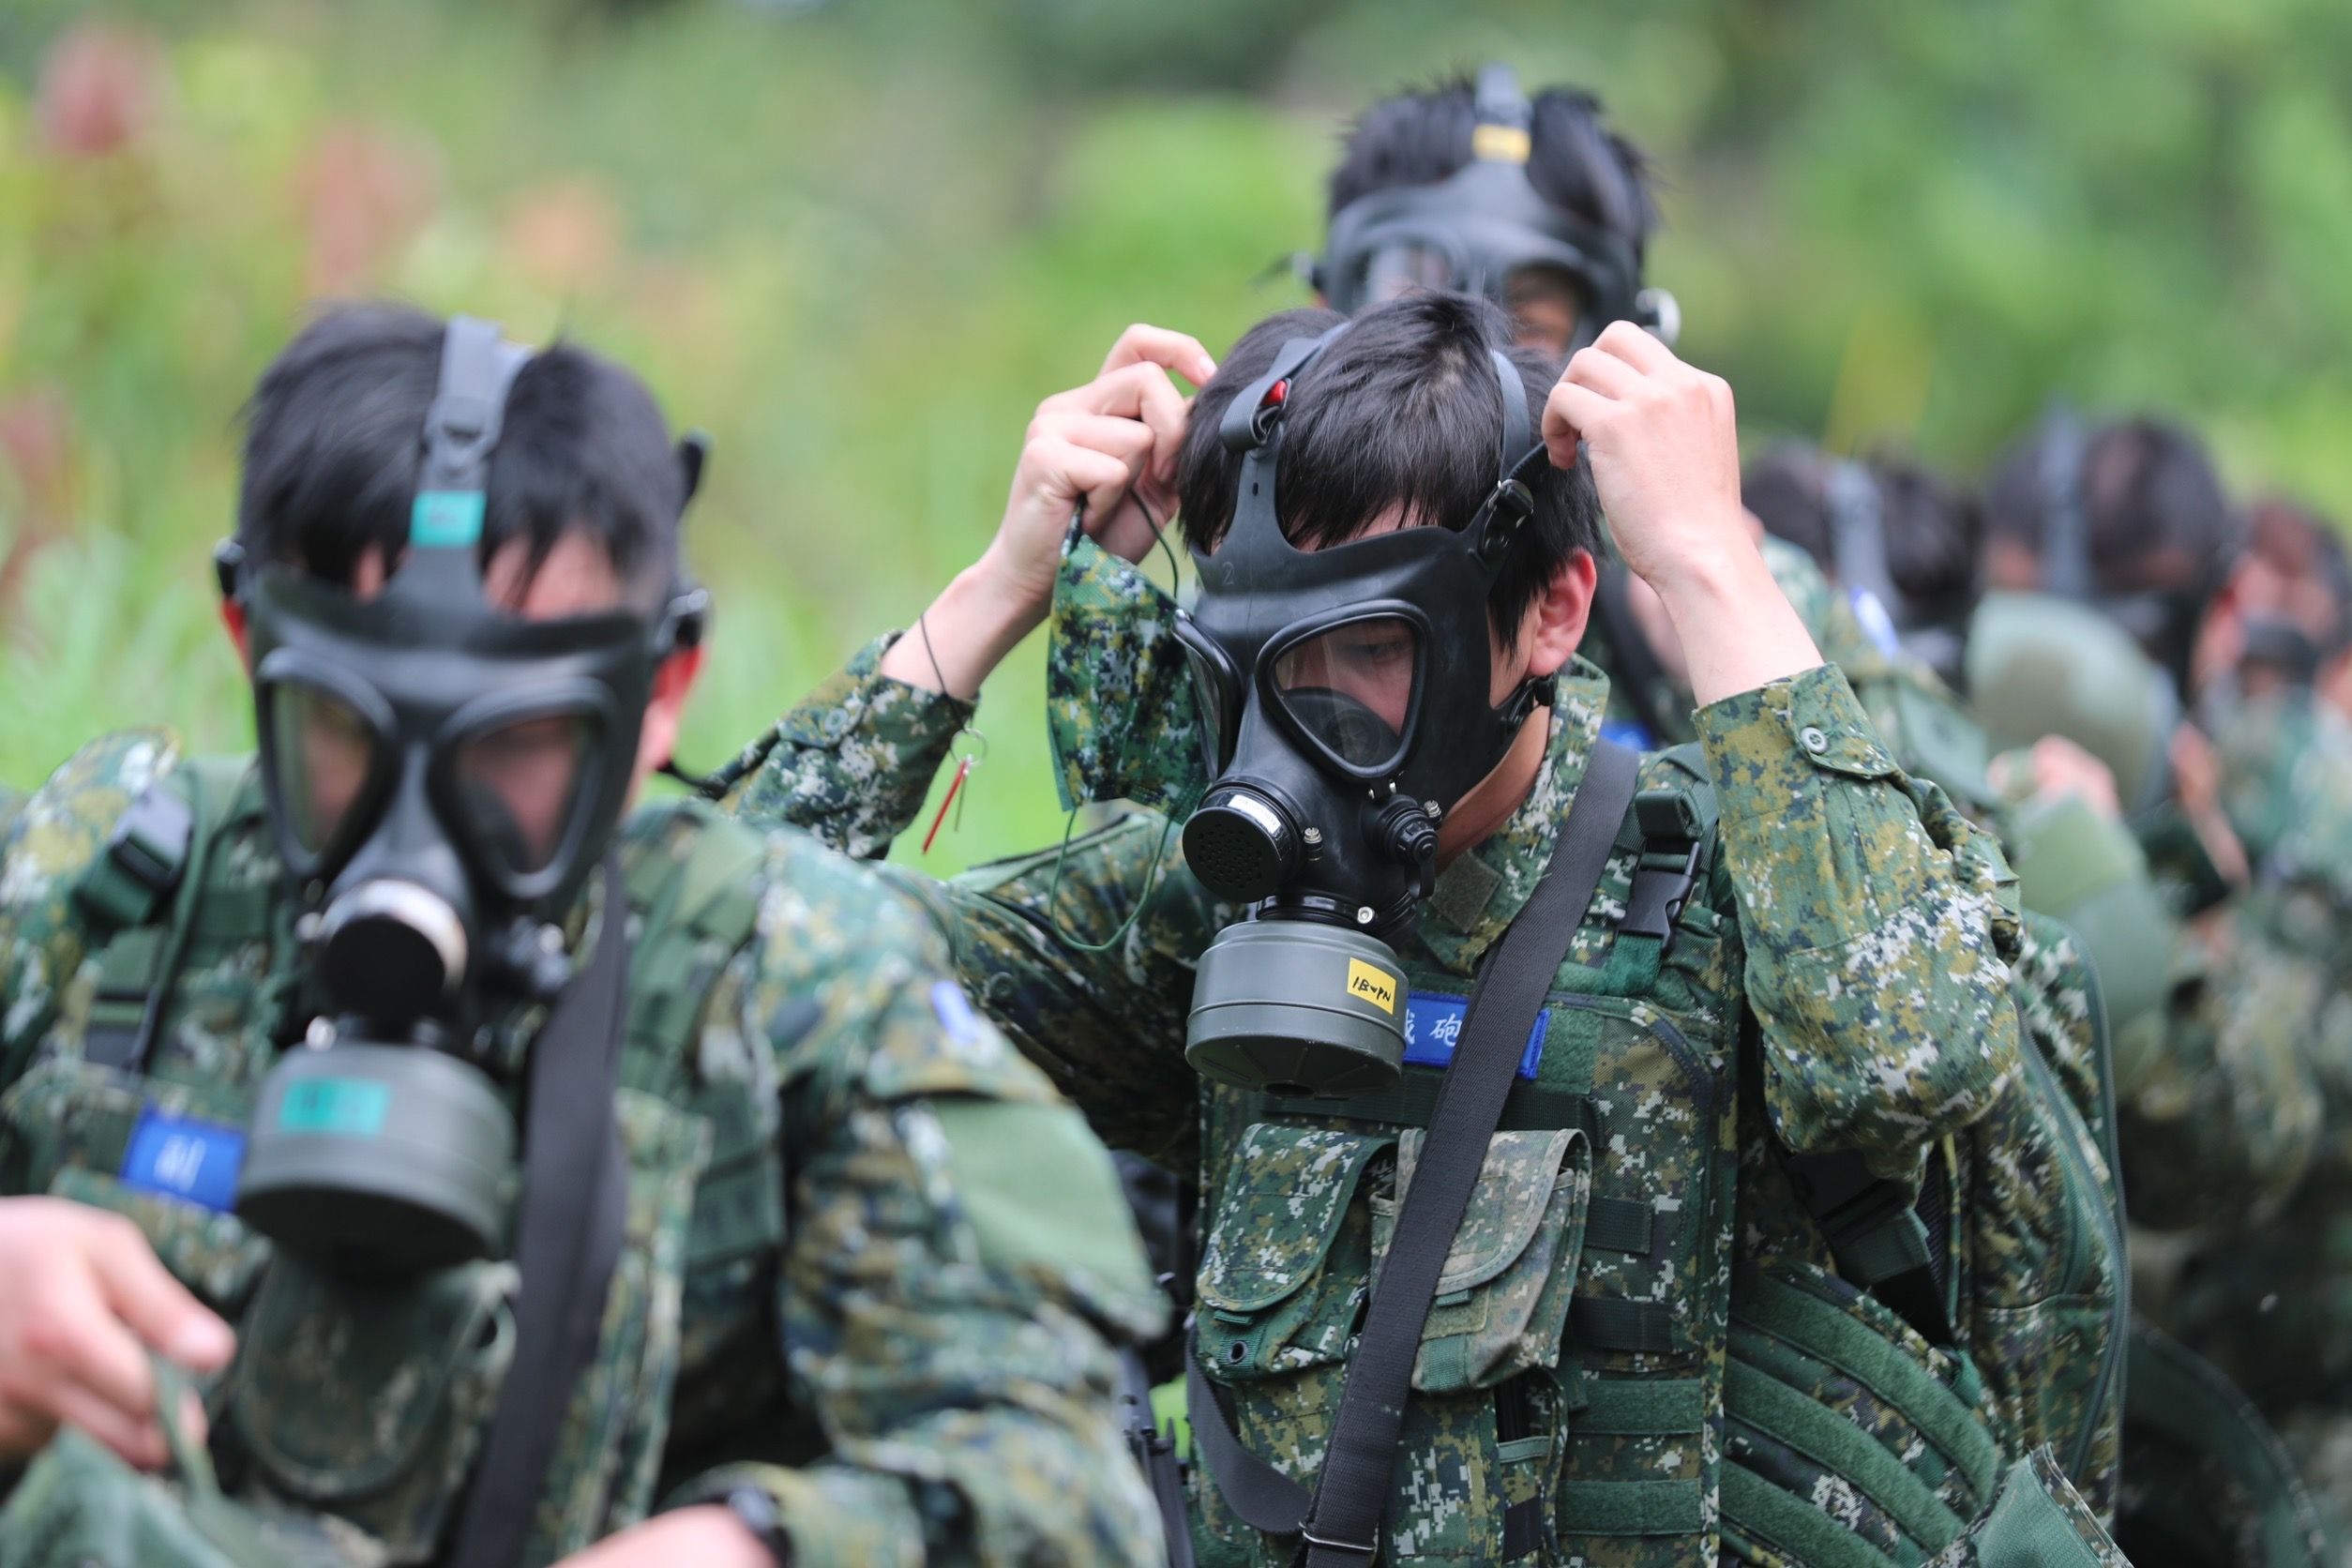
(1813, 1390)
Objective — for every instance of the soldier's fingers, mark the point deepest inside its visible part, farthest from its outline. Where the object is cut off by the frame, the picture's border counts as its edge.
(1082, 473)
(1604, 373)
(1128, 440)
(1123, 392)
(158, 1308)
(82, 1344)
(1179, 351)
(1168, 412)
(136, 1438)
(1635, 346)
(1569, 414)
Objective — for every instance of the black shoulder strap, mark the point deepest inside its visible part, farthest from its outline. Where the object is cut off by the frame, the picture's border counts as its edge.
(1342, 1525)
(566, 1249)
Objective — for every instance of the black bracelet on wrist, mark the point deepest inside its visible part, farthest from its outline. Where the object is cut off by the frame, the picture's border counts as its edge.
(758, 1515)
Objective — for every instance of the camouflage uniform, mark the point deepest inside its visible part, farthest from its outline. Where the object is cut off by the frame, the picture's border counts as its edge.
(1838, 980)
(871, 1257)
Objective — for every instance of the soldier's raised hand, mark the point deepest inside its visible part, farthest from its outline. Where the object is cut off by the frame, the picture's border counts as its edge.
(83, 1302)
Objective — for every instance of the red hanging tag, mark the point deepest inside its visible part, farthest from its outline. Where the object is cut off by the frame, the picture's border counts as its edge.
(963, 771)
(964, 765)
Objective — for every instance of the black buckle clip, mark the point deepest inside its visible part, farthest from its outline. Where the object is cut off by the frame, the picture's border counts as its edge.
(149, 843)
(1655, 900)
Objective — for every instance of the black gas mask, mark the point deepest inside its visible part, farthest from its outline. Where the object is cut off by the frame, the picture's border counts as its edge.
(1485, 229)
(1342, 695)
(1932, 631)
(442, 778)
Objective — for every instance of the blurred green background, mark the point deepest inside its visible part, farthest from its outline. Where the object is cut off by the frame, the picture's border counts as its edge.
(857, 241)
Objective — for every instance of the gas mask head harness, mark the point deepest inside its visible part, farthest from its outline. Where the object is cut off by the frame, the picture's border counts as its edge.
(2164, 621)
(442, 776)
(1932, 629)
(1342, 695)
(1483, 226)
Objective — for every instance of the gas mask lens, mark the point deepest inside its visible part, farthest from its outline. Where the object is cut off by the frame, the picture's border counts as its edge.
(1349, 689)
(520, 783)
(327, 753)
(1397, 270)
(1548, 304)
(1215, 694)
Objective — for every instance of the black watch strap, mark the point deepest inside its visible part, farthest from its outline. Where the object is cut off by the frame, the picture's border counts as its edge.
(760, 1515)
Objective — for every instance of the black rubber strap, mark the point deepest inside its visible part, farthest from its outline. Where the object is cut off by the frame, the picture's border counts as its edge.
(566, 1249)
(1341, 1529)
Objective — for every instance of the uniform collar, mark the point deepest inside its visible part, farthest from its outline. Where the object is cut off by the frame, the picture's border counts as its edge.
(1480, 895)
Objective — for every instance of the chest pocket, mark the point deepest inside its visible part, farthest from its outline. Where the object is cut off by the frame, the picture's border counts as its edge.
(1305, 1216)
(370, 1400)
(161, 1154)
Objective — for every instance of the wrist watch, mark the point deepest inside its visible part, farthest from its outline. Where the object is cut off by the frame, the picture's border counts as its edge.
(759, 1514)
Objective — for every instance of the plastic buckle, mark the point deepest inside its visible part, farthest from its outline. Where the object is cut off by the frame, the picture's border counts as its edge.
(1655, 900)
(149, 843)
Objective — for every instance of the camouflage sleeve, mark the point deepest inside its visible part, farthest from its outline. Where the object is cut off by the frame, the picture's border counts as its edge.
(851, 760)
(1084, 955)
(52, 840)
(1877, 923)
(959, 1263)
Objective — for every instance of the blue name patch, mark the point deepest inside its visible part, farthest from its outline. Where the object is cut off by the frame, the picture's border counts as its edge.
(1625, 732)
(1433, 1022)
(196, 1162)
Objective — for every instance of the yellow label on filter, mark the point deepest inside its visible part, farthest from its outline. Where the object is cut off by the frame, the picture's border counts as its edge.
(1369, 983)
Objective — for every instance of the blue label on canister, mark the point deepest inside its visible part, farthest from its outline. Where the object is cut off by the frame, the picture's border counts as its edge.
(342, 1108)
(1433, 1023)
(177, 1156)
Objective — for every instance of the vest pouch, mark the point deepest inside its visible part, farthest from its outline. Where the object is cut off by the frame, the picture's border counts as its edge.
(2039, 1521)
(1501, 1300)
(163, 1155)
(367, 1398)
(1284, 1274)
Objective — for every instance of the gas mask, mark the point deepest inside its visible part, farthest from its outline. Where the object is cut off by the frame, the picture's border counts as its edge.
(1934, 631)
(1342, 703)
(1486, 230)
(442, 779)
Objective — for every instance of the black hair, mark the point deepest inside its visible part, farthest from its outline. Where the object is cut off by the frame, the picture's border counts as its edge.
(2141, 486)
(1574, 161)
(1933, 527)
(1401, 411)
(335, 437)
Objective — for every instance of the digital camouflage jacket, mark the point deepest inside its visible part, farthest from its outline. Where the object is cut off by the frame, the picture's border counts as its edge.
(1839, 981)
(871, 1260)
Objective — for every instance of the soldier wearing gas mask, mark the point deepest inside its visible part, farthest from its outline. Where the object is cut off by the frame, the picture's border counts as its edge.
(1365, 758)
(2129, 516)
(508, 1166)
(2208, 1097)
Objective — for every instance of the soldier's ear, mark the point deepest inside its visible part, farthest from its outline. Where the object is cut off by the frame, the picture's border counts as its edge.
(1557, 619)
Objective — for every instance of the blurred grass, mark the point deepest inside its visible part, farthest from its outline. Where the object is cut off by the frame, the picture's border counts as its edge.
(857, 242)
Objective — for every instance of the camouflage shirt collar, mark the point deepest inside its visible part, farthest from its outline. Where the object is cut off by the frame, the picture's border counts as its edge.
(1480, 895)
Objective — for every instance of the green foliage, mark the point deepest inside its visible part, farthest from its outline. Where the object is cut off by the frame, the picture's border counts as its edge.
(857, 242)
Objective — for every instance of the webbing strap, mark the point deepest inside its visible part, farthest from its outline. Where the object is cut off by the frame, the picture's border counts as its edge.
(1623, 1224)
(1607, 1323)
(568, 1232)
(1528, 1108)
(1761, 1403)
(1829, 1335)
(1342, 1527)
(1632, 1507)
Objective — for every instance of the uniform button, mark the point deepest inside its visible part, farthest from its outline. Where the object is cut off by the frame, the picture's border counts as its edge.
(1000, 986)
(1813, 740)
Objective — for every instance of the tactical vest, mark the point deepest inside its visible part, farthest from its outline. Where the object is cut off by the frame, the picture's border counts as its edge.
(367, 1402)
(1589, 1359)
